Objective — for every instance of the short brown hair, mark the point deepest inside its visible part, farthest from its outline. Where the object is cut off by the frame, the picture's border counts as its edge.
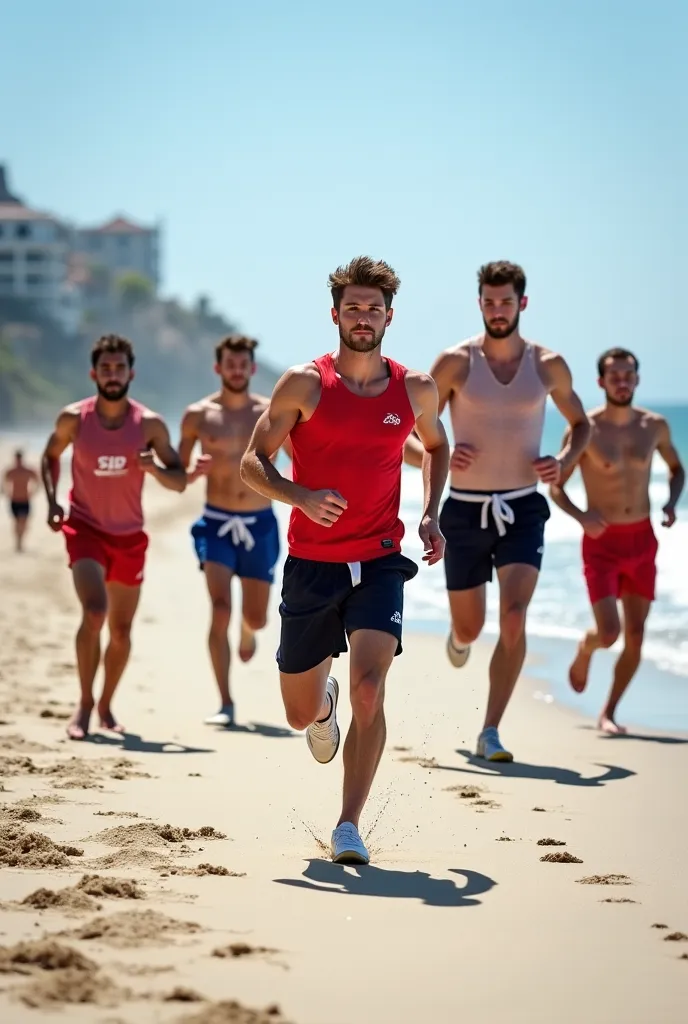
(366, 273)
(112, 343)
(236, 343)
(616, 353)
(502, 272)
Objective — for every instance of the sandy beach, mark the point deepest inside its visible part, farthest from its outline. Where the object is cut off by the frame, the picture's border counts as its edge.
(181, 873)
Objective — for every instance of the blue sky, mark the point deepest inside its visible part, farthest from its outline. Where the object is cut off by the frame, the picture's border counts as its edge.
(277, 141)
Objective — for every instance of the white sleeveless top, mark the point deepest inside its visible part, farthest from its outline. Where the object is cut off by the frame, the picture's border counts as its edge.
(504, 422)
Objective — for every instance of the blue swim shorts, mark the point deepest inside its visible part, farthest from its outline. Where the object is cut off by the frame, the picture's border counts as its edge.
(245, 542)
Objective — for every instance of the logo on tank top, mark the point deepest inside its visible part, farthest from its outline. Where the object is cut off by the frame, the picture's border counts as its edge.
(111, 465)
(392, 419)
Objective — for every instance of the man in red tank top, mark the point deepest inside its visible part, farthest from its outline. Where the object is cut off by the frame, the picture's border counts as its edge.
(348, 416)
(113, 443)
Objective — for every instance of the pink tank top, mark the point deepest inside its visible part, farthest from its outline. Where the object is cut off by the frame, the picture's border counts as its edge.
(107, 483)
(503, 421)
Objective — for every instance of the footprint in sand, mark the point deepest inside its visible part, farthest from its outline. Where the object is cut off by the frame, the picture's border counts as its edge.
(129, 929)
(605, 880)
(551, 842)
(561, 858)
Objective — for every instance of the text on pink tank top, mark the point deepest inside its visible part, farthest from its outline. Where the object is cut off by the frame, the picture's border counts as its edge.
(504, 422)
(107, 483)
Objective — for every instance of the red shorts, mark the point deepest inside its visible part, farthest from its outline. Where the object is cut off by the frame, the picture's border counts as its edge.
(123, 557)
(621, 561)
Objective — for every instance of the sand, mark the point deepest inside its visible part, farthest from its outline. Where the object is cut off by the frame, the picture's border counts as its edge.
(215, 900)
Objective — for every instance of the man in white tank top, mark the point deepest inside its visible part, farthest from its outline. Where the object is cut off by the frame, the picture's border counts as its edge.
(496, 385)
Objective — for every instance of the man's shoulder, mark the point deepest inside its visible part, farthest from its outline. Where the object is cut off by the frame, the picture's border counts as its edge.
(299, 379)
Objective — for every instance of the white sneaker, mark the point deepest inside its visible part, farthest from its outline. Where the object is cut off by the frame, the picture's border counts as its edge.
(225, 717)
(458, 656)
(347, 845)
(490, 748)
(323, 737)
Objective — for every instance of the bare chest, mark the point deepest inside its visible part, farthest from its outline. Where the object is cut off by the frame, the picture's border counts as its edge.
(613, 449)
(226, 432)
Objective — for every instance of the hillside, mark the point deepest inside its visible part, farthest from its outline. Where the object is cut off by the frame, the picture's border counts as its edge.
(42, 367)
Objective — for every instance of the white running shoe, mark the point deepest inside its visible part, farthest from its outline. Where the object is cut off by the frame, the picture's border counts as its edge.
(225, 717)
(323, 737)
(458, 656)
(490, 747)
(347, 845)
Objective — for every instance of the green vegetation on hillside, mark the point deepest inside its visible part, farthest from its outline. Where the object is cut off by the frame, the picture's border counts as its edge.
(42, 366)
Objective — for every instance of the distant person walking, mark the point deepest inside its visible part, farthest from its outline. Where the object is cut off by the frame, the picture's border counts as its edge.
(348, 414)
(619, 546)
(115, 441)
(237, 534)
(19, 484)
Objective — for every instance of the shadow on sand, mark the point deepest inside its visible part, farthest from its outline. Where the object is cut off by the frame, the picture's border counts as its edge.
(669, 741)
(542, 772)
(135, 744)
(324, 876)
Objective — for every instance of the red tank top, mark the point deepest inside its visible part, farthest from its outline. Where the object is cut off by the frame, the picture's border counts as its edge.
(352, 445)
(107, 483)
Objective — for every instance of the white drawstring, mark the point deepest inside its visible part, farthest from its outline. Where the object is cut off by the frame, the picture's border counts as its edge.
(237, 525)
(502, 511)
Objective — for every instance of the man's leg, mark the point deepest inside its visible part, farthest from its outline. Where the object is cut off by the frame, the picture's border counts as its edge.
(636, 610)
(305, 695)
(89, 583)
(372, 652)
(255, 595)
(122, 604)
(604, 633)
(219, 582)
(467, 609)
(20, 523)
(516, 587)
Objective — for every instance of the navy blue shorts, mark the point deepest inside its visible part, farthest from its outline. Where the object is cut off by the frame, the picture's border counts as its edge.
(245, 542)
(20, 509)
(472, 552)
(322, 604)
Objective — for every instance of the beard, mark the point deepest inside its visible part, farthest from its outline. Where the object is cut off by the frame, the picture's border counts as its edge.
(502, 330)
(620, 403)
(235, 386)
(113, 392)
(361, 342)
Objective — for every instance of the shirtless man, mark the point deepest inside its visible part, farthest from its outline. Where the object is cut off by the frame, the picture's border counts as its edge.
(237, 535)
(619, 546)
(348, 414)
(19, 484)
(113, 441)
(497, 385)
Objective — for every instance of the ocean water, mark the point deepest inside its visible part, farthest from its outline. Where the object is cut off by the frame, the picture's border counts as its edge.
(560, 611)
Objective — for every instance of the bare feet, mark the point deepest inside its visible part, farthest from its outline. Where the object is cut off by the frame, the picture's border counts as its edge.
(608, 725)
(247, 643)
(578, 673)
(78, 726)
(109, 722)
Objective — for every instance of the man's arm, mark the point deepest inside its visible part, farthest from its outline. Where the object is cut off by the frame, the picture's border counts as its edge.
(677, 476)
(171, 474)
(570, 406)
(289, 399)
(269, 434)
(592, 522)
(557, 492)
(34, 481)
(443, 372)
(62, 436)
(424, 396)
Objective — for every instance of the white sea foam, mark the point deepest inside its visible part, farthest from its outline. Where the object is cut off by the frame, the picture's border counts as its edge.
(560, 607)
